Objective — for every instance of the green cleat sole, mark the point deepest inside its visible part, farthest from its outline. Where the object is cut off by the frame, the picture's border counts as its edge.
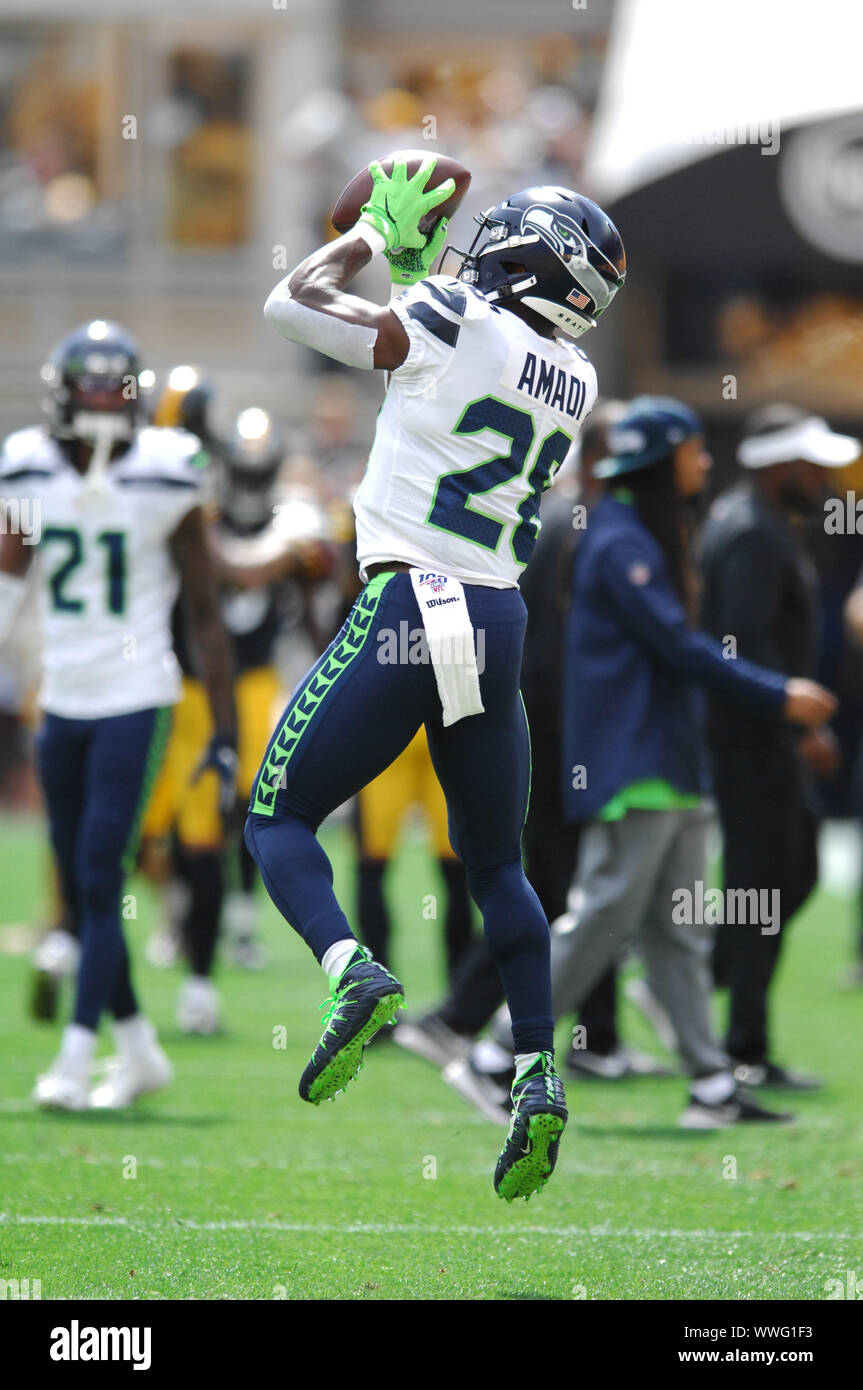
(346, 1063)
(530, 1174)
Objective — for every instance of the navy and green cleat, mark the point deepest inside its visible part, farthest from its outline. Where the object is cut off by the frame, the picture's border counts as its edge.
(538, 1119)
(365, 998)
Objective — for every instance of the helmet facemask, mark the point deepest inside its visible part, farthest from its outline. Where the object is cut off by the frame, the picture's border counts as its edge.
(579, 280)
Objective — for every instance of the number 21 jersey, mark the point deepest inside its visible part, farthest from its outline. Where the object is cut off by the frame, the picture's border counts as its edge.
(107, 582)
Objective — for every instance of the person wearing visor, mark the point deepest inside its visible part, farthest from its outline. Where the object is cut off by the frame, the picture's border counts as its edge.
(635, 764)
(760, 590)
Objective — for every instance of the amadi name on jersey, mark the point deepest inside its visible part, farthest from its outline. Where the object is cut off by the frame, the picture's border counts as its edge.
(106, 578)
(474, 426)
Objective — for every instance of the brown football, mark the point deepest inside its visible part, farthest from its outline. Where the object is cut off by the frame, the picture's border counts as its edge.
(349, 203)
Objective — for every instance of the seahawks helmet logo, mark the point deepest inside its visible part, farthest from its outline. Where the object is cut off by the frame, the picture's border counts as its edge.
(562, 233)
(567, 240)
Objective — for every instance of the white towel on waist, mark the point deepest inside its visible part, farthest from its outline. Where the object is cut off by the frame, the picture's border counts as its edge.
(450, 637)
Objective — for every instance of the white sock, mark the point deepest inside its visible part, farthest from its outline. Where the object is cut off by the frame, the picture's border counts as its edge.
(134, 1035)
(714, 1089)
(78, 1046)
(337, 956)
(524, 1061)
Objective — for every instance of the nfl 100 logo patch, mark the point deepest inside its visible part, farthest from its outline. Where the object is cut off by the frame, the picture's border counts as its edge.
(435, 582)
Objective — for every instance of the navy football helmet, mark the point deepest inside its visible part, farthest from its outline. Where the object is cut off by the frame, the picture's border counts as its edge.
(92, 371)
(552, 250)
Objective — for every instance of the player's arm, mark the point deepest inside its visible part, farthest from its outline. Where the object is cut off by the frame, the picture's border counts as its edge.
(651, 611)
(15, 559)
(208, 638)
(256, 562)
(312, 305)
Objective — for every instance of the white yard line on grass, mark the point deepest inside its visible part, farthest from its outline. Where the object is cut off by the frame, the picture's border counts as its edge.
(410, 1228)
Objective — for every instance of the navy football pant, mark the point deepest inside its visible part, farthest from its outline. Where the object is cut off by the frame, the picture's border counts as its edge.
(97, 775)
(351, 716)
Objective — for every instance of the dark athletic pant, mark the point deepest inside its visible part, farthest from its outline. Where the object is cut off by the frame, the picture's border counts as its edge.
(203, 874)
(769, 837)
(349, 719)
(550, 854)
(97, 775)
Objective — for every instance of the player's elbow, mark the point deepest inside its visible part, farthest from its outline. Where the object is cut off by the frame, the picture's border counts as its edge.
(277, 310)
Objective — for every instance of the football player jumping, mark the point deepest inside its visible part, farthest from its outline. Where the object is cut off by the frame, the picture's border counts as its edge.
(120, 527)
(486, 393)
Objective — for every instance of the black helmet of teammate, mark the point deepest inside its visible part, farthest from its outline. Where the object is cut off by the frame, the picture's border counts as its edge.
(552, 250)
(92, 371)
(251, 459)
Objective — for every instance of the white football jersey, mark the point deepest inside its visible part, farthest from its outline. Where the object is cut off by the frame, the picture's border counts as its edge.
(107, 582)
(473, 428)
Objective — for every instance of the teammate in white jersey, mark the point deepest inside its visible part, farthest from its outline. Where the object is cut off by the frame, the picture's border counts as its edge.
(486, 393)
(115, 526)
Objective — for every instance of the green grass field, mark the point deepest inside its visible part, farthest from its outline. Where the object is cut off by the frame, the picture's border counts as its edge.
(243, 1192)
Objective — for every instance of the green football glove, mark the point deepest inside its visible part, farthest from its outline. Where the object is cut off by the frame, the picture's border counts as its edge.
(410, 266)
(398, 203)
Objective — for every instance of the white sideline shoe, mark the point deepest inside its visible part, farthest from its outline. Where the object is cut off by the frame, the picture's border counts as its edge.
(57, 954)
(198, 1006)
(139, 1068)
(62, 1087)
(428, 1037)
(488, 1093)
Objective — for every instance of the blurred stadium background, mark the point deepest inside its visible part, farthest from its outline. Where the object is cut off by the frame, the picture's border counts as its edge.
(162, 165)
(151, 161)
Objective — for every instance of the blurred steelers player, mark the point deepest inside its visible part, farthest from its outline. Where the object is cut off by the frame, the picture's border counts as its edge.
(121, 532)
(256, 543)
(268, 534)
(183, 832)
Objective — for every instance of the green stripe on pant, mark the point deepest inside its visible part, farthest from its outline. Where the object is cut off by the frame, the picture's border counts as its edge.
(309, 698)
(155, 754)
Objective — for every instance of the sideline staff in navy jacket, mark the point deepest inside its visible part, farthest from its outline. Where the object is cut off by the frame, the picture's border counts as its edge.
(633, 741)
(632, 664)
